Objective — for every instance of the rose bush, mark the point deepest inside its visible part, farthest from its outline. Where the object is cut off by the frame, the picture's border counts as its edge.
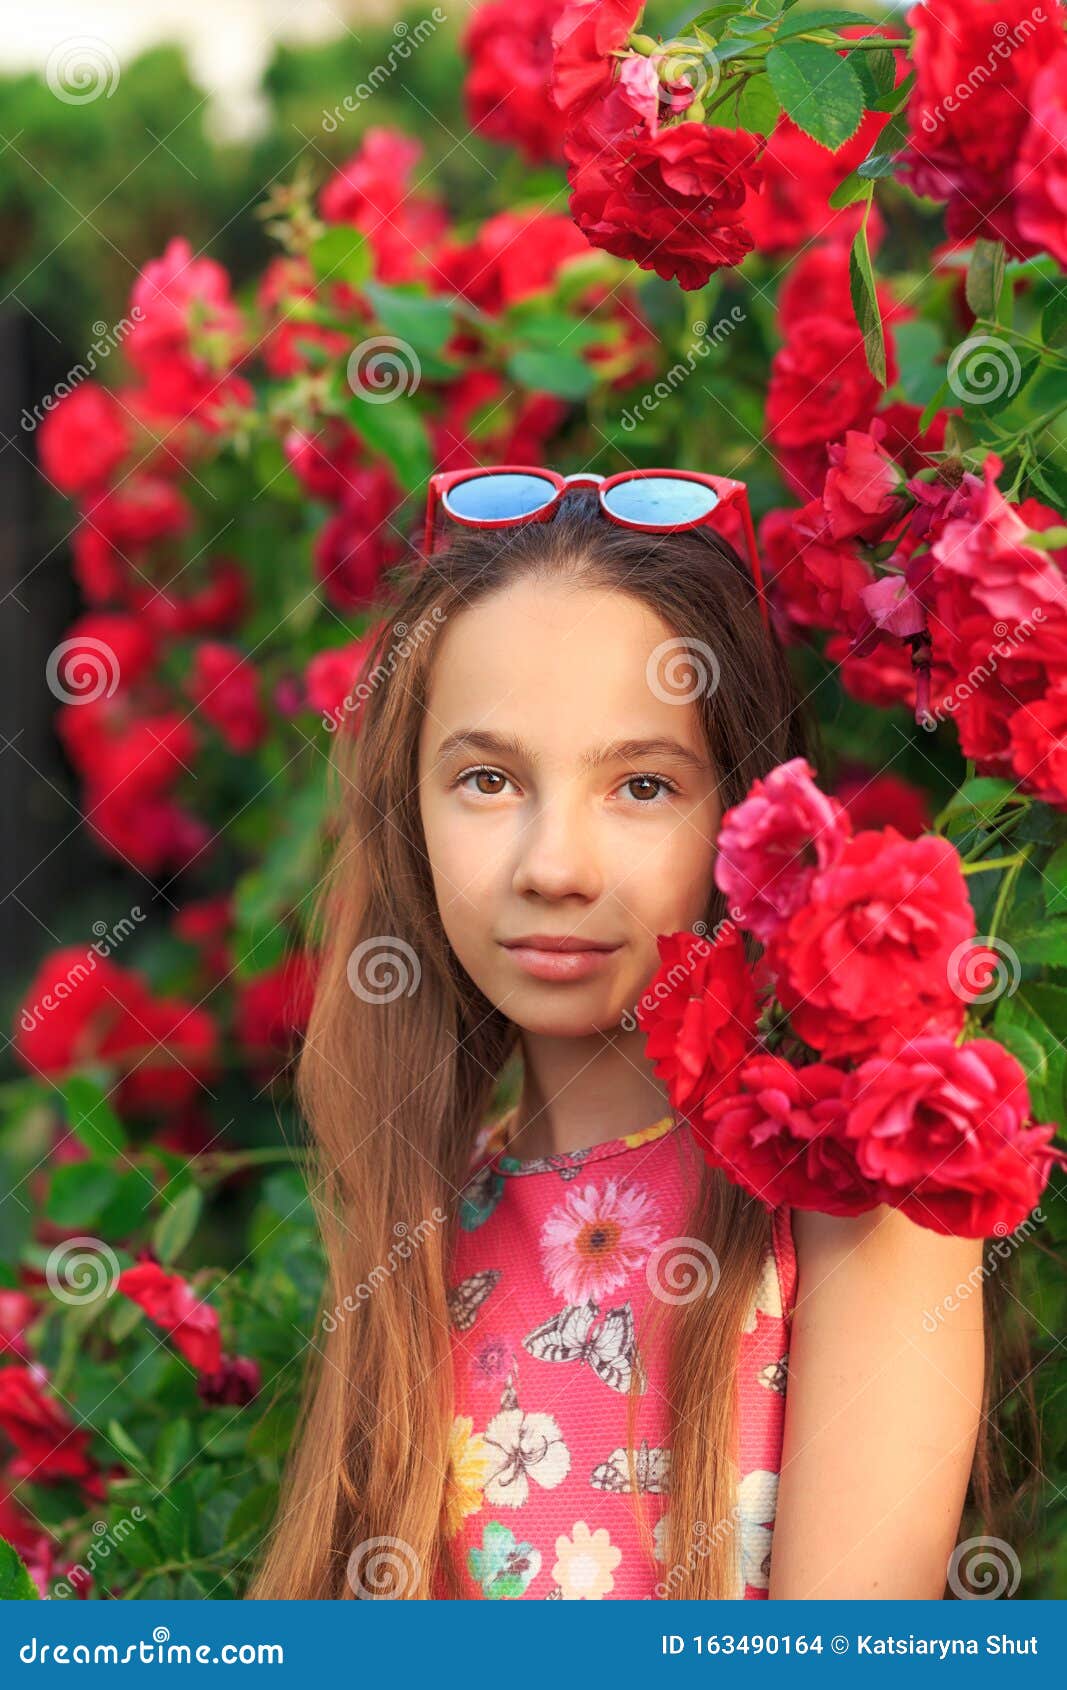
(782, 246)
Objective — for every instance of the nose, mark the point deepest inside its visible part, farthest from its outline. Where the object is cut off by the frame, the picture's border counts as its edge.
(557, 853)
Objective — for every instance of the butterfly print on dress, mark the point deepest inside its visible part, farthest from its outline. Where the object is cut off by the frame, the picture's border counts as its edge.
(577, 1333)
(651, 1469)
(466, 1298)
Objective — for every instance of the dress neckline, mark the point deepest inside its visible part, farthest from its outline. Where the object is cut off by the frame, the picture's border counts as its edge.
(495, 1147)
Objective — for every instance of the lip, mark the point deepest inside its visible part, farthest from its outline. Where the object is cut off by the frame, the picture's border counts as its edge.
(547, 958)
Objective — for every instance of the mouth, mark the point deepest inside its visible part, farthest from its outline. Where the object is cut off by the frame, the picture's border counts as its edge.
(546, 942)
(559, 959)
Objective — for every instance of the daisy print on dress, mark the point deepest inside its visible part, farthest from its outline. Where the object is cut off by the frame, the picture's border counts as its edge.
(523, 1447)
(651, 1471)
(503, 1567)
(585, 1564)
(580, 1334)
(597, 1237)
(466, 1298)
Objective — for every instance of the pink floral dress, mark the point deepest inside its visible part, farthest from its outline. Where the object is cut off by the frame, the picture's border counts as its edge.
(554, 1270)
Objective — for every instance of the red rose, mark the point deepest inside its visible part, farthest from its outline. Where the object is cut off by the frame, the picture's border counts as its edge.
(699, 1012)
(234, 1385)
(507, 91)
(84, 439)
(1039, 744)
(359, 541)
(48, 1446)
(331, 678)
(883, 677)
(513, 255)
(819, 384)
(372, 191)
(584, 37)
(323, 463)
(273, 1008)
(149, 833)
(193, 1326)
(1040, 202)
(817, 580)
(673, 202)
(780, 1137)
(942, 1130)
(17, 1312)
(976, 63)
(876, 800)
(225, 687)
(187, 317)
(867, 962)
(798, 177)
(771, 845)
(861, 494)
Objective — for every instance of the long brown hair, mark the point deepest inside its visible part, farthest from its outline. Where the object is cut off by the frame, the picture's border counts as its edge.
(394, 1081)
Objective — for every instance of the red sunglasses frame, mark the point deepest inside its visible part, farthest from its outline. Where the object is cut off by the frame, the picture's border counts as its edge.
(729, 491)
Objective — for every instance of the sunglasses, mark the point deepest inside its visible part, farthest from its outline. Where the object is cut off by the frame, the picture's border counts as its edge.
(654, 501)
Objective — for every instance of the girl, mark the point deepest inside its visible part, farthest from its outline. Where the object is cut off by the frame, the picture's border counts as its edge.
(556, 1344)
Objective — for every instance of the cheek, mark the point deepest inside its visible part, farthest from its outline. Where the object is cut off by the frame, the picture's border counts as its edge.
(676, 882)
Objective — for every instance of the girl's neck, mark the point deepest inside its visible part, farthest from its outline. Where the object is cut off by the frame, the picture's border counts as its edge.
(613, 1094)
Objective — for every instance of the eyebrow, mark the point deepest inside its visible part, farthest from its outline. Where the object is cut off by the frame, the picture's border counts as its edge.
(621, 750)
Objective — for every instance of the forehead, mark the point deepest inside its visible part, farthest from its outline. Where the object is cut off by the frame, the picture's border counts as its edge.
(561, 664)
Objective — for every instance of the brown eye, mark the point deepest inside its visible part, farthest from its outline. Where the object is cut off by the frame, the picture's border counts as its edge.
(647, 782)
(484, 775)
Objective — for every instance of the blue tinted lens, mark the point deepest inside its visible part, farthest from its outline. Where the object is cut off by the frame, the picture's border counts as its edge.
(664, 501)
(493, 498)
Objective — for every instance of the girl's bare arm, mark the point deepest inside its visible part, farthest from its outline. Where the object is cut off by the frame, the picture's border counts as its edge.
(882, 1410)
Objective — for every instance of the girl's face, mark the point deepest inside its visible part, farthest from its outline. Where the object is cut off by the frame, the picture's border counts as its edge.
(541, 821)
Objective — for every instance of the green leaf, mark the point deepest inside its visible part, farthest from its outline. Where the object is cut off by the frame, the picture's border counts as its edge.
(1038, 946)
(16, 1585)
(397, 431)
(560, 373)
(918, 345)
(995, 368)
(801, 22)
(819, 89)
(755, 108)
(865, 304)
(1055, 886)
(1039, 1011)
(877, 74)
(80, 1193)
(342, 254)
(985, 278)
(91, 1117)
(425, 322)
(269, 894)
(130, 1452)
(173, 1451)
(882, 160)
(849, 190)
(177, 1224)
(1054, 316)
